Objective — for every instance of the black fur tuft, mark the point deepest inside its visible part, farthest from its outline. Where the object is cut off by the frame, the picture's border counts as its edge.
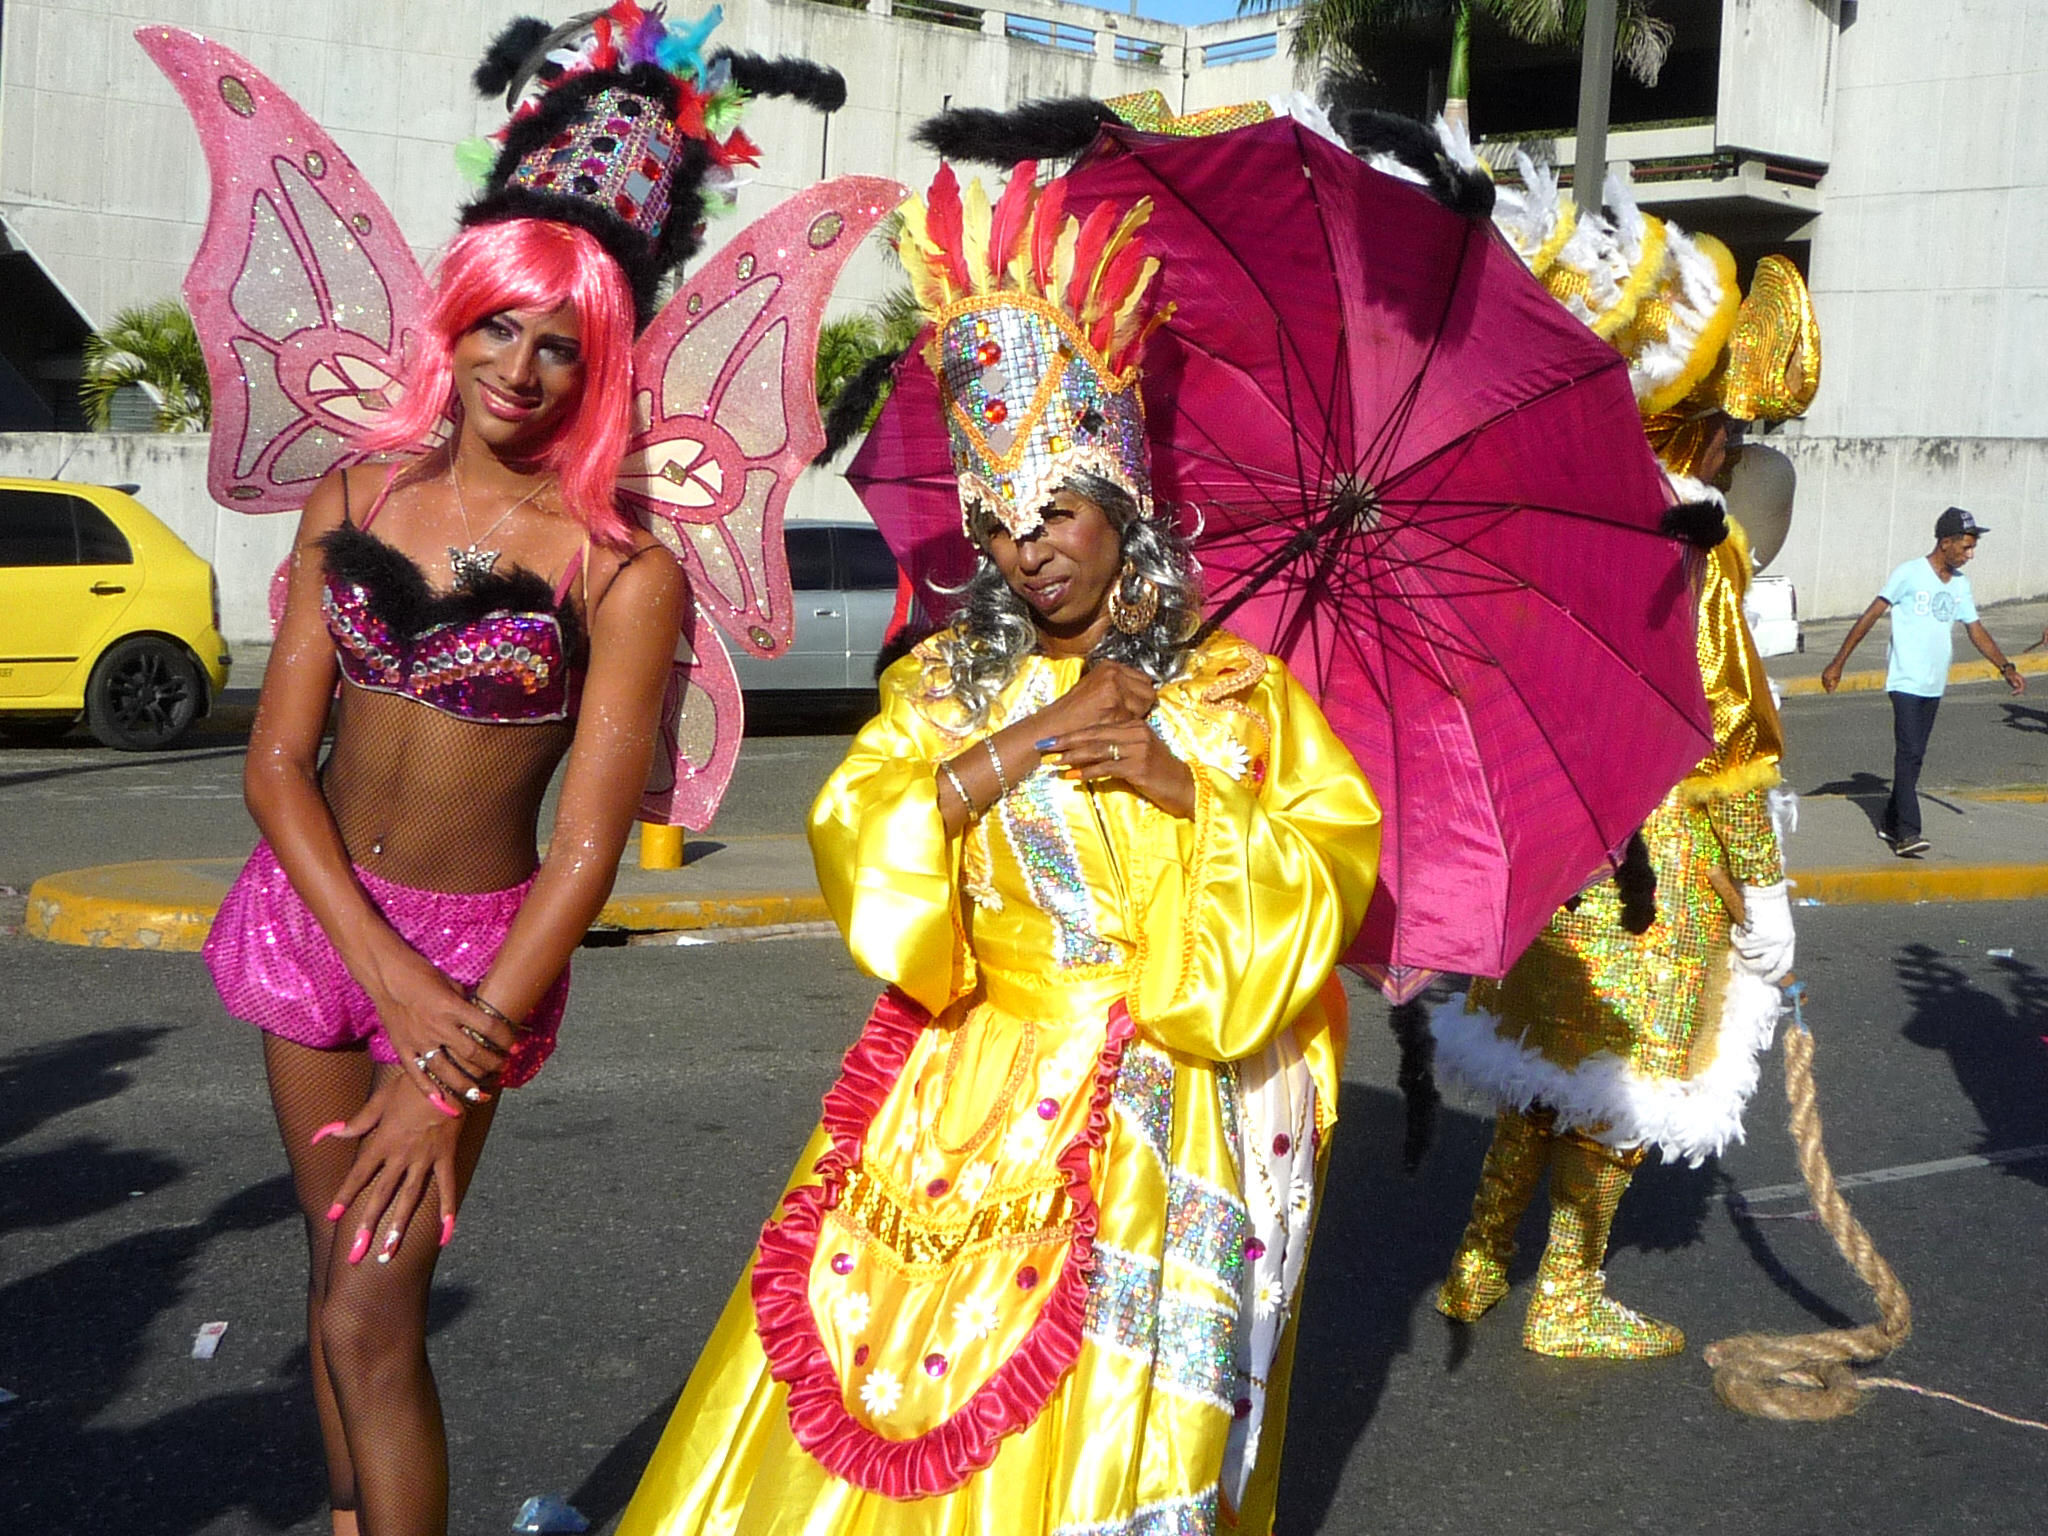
(1416, 1075)
(906, 640)
(1702, 524)
(398, 593)
(508, 53)
(1371, 132)
(848, 414)
(1637, 882)
(1053, 129)
(799, 79)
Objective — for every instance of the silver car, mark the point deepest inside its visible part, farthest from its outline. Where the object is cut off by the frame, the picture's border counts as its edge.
(845, 583)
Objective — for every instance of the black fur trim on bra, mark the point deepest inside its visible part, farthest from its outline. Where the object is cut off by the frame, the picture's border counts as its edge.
(1702, 524)
(1057, 128)
(398, 592)
(1416, 1075)
(1371, 132)
(815, 85)
(508, 53)
(1636, 880)
(848, 414)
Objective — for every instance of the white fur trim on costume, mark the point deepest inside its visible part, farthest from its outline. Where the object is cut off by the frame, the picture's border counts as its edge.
(1684, 1118)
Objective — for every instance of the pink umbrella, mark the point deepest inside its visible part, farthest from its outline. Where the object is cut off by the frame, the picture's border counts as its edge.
(1420, 481)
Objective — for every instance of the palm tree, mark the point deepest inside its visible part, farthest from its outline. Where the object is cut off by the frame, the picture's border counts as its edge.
(1340, 32)
(846, 345)
(155, 347)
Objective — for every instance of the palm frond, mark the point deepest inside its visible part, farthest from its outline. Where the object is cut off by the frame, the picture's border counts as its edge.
(153, 345)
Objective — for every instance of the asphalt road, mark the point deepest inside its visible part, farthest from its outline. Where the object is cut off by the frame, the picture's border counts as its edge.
(1984, 738)
(142, 1194)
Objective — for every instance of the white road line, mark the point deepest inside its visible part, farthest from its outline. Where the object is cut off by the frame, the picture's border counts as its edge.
(1894, 1175)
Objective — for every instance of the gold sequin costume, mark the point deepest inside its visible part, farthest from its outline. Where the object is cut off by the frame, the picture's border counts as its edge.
(1600, 1043)
(1074, 1157)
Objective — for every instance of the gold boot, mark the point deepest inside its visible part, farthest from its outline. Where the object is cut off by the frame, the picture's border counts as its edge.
(1507, 1180)
(1571, 1314)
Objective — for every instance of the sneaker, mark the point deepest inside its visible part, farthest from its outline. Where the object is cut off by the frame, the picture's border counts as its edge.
(1911, 847)
(1889, 838)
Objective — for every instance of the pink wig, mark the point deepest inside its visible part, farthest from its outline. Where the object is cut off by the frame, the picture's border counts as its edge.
(531, 264)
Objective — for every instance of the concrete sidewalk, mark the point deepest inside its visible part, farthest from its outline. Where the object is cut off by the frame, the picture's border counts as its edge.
(1985, 849)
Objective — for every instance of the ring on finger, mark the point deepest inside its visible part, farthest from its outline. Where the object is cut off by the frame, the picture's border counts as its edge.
(426, 1056)
(1116, 753)
(482, 1039)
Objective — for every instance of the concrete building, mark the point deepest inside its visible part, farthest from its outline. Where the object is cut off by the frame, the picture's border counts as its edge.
(1881, 147)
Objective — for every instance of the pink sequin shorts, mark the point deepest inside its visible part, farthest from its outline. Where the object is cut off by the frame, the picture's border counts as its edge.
(275, 968)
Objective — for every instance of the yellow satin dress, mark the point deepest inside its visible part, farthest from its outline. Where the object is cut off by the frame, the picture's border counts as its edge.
(1037, 1270)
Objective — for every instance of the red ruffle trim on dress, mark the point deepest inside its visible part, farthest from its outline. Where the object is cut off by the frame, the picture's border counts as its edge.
(944, 1457)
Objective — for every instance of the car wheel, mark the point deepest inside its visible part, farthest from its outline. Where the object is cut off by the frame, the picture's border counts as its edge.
(144, 695)
(36, 730)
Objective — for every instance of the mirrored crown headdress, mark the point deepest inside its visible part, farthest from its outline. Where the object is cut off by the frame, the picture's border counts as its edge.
(622, 126)
(1038, 317)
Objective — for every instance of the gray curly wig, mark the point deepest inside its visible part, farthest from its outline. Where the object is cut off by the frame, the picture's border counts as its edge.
(981, 650)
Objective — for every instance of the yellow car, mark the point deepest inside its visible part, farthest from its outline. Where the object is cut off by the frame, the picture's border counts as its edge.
(102, 610)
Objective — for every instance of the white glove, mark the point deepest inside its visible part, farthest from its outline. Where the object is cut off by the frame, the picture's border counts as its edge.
(1764, 943)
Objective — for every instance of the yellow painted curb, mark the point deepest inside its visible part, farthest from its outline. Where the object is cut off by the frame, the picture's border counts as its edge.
(1911, 880)
(2018, 794)
(169, 904)
(158, 904)
(1873, 681)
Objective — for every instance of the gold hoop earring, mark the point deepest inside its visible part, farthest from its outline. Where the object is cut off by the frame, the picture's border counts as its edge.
(1133, 615)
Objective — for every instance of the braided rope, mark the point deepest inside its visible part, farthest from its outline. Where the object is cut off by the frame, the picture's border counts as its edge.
(1806, 1376)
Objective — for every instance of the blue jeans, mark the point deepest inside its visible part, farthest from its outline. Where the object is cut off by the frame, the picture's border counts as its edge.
(1912, 724)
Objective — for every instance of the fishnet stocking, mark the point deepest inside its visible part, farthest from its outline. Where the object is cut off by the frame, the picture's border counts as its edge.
(427, 800)
(380, 1415)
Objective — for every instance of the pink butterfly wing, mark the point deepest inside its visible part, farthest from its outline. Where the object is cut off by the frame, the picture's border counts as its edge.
(727, 403)
(304, 292)
(698, 742)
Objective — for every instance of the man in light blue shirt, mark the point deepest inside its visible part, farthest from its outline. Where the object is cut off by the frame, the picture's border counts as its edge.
(1925, 597)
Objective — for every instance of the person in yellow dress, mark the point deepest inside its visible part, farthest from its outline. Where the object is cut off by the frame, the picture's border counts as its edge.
(1037, 1269)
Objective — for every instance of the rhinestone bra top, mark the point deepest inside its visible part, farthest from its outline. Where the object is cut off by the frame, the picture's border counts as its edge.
(506, 650)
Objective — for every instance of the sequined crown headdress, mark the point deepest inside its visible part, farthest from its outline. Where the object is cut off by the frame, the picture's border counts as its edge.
(1038, 317)
(623, 126)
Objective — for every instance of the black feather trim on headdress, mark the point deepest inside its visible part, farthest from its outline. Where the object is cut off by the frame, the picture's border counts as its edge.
(1416, 1075)
(508, 53)
(848, 414)
(643, 260)
(1054, 129)
(815, 85)
(1462, 189)
(1702, 524)
(907, 639)
(1636, 880)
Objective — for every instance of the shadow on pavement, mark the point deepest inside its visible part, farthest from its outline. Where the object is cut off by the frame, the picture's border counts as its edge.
(1870, 793)
(1994, 1045)
(2021, 717)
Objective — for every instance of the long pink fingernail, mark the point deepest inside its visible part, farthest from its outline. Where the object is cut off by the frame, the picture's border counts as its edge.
(447, 1230)
(390, 1246)
(334, 1211)
(442, 1104)
(331, 1128)
(360, 1247)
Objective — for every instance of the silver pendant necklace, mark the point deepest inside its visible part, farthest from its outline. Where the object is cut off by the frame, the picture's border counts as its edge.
(471, 565)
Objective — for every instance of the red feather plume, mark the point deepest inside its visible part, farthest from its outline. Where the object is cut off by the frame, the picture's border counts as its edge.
(1012, 216)
(1095, 233)
(944, 222)
(1052, 213)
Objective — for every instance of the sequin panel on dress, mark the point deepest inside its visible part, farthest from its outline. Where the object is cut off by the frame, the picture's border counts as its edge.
(1144, 1096)
(1123, 1303)
(1046, 852)
(1192, 1515)
(1206, 1229)
(1197, 1349)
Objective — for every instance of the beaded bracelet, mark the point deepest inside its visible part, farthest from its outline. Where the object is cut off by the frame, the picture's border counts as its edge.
(996, 757)
(959, 789)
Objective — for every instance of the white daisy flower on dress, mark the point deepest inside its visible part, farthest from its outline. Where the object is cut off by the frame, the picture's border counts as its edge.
(1268, 1298)
(1301, 1196)
(881, 1392)
(976, 1317)
(853, 1310)
(1235, 760)
(974, 1181)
